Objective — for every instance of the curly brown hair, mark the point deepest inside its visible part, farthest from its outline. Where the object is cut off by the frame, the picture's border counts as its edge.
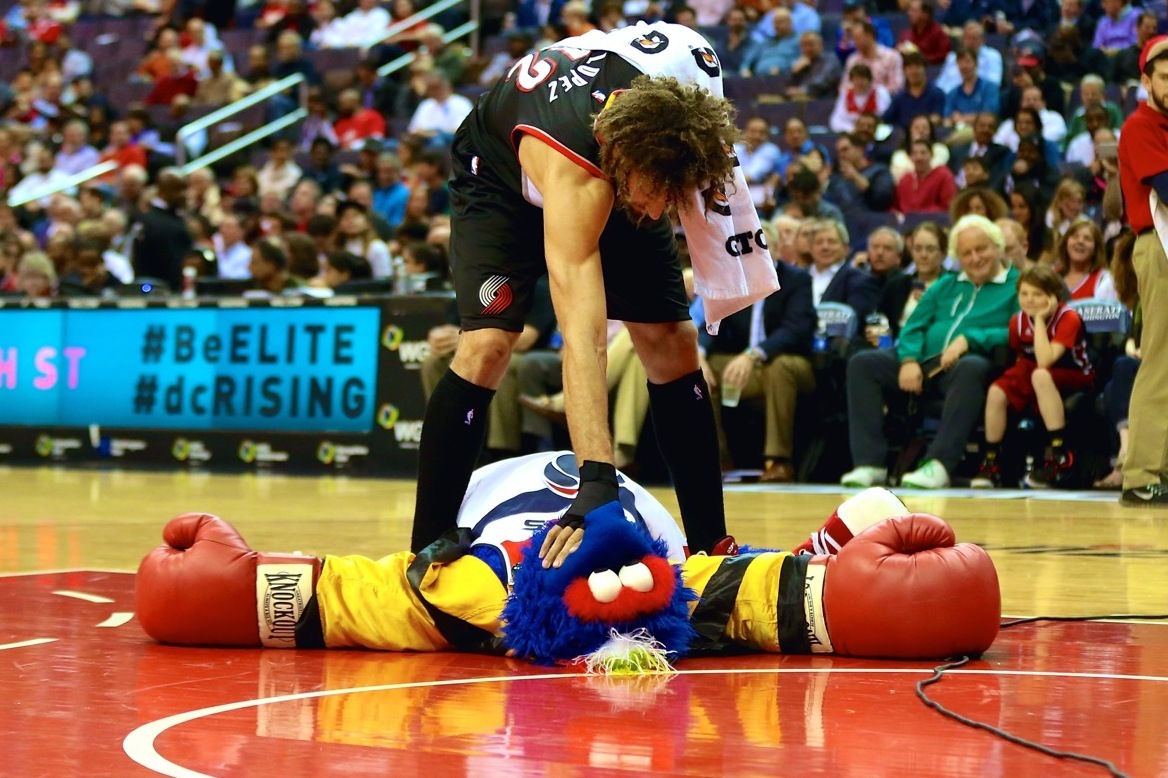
(679, 136)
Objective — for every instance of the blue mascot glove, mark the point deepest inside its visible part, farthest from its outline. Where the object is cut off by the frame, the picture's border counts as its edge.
(598, 486)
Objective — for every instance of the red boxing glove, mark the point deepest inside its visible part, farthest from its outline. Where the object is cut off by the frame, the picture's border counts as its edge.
(204, 586)
(903, 590)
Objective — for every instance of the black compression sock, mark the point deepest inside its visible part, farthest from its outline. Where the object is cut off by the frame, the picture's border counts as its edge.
(452, 437)
(683, 419)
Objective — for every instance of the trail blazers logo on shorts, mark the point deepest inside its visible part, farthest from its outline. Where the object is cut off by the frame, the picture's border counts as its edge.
(495, 294)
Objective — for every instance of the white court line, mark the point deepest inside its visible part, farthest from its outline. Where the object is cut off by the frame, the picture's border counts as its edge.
(65, 570)
(82, 596)
(139, 744)
(117, 619)
(24, 643)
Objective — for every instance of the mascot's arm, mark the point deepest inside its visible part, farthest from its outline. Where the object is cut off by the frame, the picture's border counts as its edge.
(900, 590)
(205, 586)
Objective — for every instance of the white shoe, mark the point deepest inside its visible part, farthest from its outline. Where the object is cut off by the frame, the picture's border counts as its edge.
(865, 476)
(930, 475)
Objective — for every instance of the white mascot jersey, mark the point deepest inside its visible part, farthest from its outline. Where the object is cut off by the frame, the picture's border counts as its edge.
(510, 500)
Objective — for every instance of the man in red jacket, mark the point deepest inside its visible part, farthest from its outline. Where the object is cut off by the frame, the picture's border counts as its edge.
(354, 123)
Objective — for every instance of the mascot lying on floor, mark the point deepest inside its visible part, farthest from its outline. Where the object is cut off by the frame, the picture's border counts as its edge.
(875, 581)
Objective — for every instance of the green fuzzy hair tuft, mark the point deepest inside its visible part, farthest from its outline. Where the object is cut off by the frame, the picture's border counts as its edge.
(637, 653)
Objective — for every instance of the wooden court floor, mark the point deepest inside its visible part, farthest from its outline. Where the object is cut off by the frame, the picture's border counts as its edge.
(87, 693)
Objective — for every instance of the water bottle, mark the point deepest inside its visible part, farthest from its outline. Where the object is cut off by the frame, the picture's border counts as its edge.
(401, 278)
(190, 277)
(821, 337)
(879, 324)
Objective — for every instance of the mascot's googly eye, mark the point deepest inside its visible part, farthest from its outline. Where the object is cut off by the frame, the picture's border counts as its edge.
(605, 585)
(637, 577)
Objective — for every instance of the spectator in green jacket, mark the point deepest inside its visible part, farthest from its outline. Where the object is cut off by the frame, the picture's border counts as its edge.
(943, 350)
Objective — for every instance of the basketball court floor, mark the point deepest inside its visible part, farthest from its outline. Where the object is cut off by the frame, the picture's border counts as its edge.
(88, 694)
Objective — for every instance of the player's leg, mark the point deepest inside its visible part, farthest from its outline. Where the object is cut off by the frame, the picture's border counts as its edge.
(645, 289)
(496, 257)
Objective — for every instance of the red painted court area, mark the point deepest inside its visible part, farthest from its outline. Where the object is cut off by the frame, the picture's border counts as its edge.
(88, 693)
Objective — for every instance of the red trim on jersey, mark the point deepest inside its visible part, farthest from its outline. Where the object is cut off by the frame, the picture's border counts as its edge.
(1086, 288)
(583, 162)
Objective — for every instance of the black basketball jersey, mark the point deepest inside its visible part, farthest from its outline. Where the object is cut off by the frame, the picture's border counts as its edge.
(554, 94)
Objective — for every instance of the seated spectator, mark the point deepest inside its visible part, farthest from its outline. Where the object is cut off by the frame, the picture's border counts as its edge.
(341, 267)
(884, 63)
(920, 128)
(231, 250)
(1081, 147)
(122, 150)
(10, 251)
(816, 73)
(758, 158)
(318, 125)
(426, 267)
(1027, 207)
(1050, 344)
(1049, 124)
(1066, 207)
(1116, 29)
(1070, 57)
(856, 11)
(158, 64)
(919, 97)
(804, 191)
(290, 59)
(929, 246)
(1016, 243)
(45, 176)
(995, 156)
(439, 115)
(1125, 64)
(929, 188)
(269, 268)
(1080, 258)
(786, 227)
(389, 193)
(1033, 166)
(279, 174)
(858, 97)
(35, 275)
(795, 144)
(328, 29)
(361, 191)
(882, 260)
(1091, 96)
(936, 354)
(979, 200)
(833, 279)
(201, 40)
(363, 26)
(449, 59)
(858, 183)
(1029, 71)
(923, 34)
(866, 129)
(762, 351)
(355, 123)
(988, 60)
(733, 43)
(1072, 15)
(89, 276)
(778, 53)
(356, 235)
(220, 86)
(972, 96)
(75, 154)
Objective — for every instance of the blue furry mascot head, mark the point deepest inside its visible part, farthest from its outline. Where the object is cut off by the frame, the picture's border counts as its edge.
(617, 587)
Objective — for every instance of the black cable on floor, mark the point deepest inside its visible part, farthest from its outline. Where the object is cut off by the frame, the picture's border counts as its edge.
(940, 670)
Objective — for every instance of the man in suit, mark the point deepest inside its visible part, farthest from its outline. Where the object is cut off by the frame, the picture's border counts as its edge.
(882, 261)
(833, 279)
(996, 156)
(163, 239)
(763, 351)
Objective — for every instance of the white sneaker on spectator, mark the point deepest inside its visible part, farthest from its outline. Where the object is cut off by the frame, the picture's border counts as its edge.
(864, 476)
(931, 475)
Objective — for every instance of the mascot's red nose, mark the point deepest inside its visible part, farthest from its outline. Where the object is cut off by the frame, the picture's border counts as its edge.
(639, 589)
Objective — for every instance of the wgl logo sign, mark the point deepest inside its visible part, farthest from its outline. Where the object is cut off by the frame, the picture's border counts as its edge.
(411, 352)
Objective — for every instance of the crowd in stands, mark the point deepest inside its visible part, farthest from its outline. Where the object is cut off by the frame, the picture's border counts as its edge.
(870, 127)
